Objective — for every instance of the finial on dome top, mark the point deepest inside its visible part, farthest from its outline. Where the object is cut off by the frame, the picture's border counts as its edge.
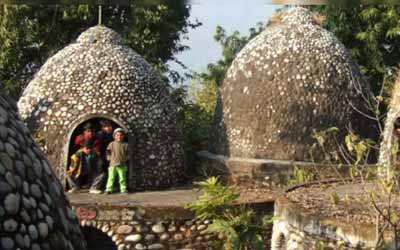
(99, 15)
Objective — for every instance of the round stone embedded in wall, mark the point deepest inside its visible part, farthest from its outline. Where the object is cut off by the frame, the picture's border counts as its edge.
(158, 228)
(10, 225)
(43, 229)
(178, 237)
(149, 237)
(133, 238)
(6, 160)
(124, 229)
(164, 236)
(140, 246)
(33, 232)
(11, 203)
(4, 187)
(156, 246)
(35, 191)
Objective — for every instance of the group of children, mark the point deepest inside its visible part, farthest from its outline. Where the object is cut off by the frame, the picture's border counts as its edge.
(98, 154)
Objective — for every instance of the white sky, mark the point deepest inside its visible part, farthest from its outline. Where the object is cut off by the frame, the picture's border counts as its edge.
(232, 15)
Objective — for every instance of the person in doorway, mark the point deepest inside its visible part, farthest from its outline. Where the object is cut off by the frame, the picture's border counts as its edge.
(117, 154)
(105, 135)
(85, 169)
(81, 163)
(89, 135)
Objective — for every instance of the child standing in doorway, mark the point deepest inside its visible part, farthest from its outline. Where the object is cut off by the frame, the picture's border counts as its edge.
(117, 154)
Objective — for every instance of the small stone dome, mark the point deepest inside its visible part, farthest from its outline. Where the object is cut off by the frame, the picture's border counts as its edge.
(292, 79)
(100, 77)
(34, 211)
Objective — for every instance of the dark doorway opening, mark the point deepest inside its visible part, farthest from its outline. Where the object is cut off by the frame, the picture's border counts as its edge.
(97, 240)
(96, 125)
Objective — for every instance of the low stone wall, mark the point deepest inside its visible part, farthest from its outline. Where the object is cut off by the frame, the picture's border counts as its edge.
(295, 228)
(139, 228)
(269, 172)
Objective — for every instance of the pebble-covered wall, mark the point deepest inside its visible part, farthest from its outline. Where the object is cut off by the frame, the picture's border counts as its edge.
(292, 79)
(137, 228)
(98, 76)
(34, 212)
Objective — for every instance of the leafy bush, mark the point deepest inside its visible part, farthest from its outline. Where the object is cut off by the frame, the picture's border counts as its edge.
(237, 223)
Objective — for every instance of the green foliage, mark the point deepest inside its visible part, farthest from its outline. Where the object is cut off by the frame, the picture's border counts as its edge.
(237, 223)
(335, 199)
(204, 94)
(215, 200)
(357, 146)
(322, 136)
(198, 111)
(31, 34)
(371, 33)
(203, 91)
(39, 138)
(320, 245)
(301, 175)
(231, 45)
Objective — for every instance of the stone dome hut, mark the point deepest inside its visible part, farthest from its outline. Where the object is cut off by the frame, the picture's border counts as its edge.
(99, 77)
(292, 79)
(34, 212)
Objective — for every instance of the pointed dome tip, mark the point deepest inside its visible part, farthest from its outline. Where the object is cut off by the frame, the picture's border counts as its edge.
(99, 34)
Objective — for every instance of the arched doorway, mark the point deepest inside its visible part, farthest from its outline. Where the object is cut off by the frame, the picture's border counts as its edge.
(97, 240)
(96, 124)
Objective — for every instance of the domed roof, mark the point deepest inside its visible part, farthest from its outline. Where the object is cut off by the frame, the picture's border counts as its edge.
(99, 76)
(289, 81)
(34, 211)
(95, 71)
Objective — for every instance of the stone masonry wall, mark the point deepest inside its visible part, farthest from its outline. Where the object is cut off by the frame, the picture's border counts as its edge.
(137, 228)
(34, 212)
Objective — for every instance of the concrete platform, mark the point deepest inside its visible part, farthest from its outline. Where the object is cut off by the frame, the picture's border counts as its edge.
(170, 198)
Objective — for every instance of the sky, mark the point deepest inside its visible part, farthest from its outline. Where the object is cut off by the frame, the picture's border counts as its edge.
(232, 15)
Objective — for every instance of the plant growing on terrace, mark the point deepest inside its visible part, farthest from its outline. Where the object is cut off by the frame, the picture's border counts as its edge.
(236, 223)
(382, 198)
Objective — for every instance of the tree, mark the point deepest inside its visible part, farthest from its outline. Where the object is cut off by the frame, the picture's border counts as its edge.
(31, 34)
(199, 112)
(371, 33)
(231, 45)
(199, 107)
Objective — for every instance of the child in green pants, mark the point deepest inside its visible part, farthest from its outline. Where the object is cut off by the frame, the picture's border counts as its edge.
(117, 154)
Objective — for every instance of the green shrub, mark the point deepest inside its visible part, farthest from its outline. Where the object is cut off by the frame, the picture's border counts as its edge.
(239, 224)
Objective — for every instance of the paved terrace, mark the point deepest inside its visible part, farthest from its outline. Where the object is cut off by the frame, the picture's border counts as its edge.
(170, 198)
